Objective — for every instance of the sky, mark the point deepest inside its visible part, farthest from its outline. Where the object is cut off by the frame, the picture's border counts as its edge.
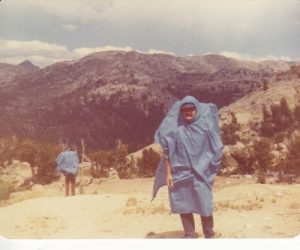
(48, 31)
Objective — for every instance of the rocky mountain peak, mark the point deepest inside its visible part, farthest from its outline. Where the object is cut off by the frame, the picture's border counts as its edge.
(28, 65)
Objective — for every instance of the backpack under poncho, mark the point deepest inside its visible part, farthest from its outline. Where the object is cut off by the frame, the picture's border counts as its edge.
(68, 162)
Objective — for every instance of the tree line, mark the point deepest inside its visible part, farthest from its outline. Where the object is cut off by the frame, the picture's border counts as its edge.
(42, 159)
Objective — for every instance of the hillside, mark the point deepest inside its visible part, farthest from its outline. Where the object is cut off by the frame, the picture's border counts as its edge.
(249, 108)
(9, 72)
(120, 95)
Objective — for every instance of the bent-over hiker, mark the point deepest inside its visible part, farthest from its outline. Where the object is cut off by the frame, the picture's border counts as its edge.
(68, 164)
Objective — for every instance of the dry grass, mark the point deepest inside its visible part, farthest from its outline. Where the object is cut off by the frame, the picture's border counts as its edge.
(133, 206)
(245, 206)
(132, 201)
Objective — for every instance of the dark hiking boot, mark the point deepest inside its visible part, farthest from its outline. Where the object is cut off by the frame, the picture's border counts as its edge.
(188, 224)
(207, 227)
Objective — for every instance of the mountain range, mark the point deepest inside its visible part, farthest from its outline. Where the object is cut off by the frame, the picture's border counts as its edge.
(113, 95)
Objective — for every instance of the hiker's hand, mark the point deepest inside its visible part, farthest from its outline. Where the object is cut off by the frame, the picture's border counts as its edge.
(169, 180)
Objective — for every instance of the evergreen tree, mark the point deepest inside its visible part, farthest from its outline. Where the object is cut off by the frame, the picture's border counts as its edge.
(276, 116)
(293, 157)
(266, 128)
(263, 156)
(245, 160)
(149, 162)
(265, 85)
(297, 115)
(286, 114)
(229, 131)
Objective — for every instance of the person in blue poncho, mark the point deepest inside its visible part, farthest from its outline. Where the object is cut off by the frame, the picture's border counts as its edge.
(68, 164)
(190, 139)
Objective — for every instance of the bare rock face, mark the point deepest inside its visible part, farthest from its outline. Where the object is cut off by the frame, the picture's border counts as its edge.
(113, 174)
(17, 174)
(85, 169)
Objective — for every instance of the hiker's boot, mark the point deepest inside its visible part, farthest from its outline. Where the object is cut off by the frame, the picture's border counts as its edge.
(67, 189)
(73, 189)
(188, 225)
(207, 226)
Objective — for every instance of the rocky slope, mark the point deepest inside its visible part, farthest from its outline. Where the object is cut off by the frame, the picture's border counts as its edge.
(248, 109)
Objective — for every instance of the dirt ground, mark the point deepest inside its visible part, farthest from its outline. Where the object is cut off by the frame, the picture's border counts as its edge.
(122, 209)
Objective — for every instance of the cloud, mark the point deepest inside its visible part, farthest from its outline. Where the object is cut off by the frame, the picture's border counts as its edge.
(80, 52)
(44, 54)
(39, 53)
(153, 51)
(247, 57)
(72, 10)
(176, 12)
(70, 27)
(190, 26)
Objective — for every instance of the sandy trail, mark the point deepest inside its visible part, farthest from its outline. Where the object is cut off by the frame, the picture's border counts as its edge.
(122, 209)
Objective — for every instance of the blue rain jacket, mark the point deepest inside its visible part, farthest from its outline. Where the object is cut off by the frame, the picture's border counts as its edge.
(194, 151)
(68, 162)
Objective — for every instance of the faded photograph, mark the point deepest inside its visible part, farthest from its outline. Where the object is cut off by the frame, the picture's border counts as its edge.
(160, 119)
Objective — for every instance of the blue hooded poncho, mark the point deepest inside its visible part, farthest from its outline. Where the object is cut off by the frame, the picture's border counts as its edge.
(194, 150)
(68, 162)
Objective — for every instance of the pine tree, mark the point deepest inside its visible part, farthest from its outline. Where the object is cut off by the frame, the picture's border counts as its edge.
(286, 114)
(276, 116)
(229, 131)
(265, 85)
(296, 114)
(266, 128)
(293, 157)
(245, 160)
(263, 156)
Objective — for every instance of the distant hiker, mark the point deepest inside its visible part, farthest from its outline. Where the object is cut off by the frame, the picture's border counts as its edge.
(190, 139)
(68, 164)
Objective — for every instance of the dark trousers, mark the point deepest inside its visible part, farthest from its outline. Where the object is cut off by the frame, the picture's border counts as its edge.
(70, 179)
(189, 225)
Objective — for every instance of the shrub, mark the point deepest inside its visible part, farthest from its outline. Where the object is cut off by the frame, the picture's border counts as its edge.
(279, 137)
(263, 156)
(293, 156)
(5, 190)
(265, 85)
(228, 166)
(40, 155)
(279, 119)
(102, 163)
(245, 159)
(46, 162)
(149, 162)
(229, 131)
(116, 158)
(296, 114)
